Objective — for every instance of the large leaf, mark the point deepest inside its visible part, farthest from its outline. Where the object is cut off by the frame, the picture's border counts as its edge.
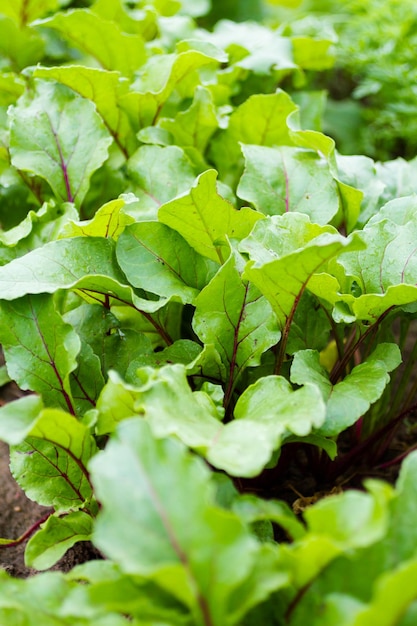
(232, 315)
(40, 348)
(205, 219)
(99, 38)
(102, 87)
(278, 180)
(260, 120)
(283, 266)
(84, 263)
(157, 259)
(178, 537)
(67, 141)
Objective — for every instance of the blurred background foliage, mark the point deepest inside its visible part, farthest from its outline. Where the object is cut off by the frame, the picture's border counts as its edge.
(372, 88)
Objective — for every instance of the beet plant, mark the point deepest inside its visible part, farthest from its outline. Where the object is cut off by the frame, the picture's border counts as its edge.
(201, 301)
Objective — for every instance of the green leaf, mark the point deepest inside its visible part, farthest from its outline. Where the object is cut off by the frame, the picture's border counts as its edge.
(250, 508)
(105, 89)
(25, 11)
(206, 220)
(51, 464)
(352, 397)
(67, 142)
(50, 600)
(281, 266)
(109, 221)
(279, 180)
(87, 264)
(37, 228)
(56, 536)
(40, 348)
(195, 126)
(99, 38)
(232, 315)
(158, 174)
(273, 402)
(17, 418)
(177, 536)
(19, 47)
(260, 120)
(157, 259)
(393, 594)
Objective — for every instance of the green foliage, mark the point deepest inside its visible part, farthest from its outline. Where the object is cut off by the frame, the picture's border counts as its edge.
(179, 345)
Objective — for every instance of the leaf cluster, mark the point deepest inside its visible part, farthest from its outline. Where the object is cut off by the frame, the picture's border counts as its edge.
(197, 294)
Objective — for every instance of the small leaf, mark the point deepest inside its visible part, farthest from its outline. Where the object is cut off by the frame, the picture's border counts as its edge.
(352, 397)
(109, 221)
(40, 348)
(67, 142)
(232, 315)
(51, 465)
(56, 536)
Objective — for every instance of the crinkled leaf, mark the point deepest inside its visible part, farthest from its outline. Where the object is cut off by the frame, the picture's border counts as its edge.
(157, 259)
(51, 464)
(279, 180)
(67, 140)
(232, 315)
(297, 259)
(55, 537)
(158, 174)
(352, 397)
(102, 87)
(385, 271)
(99, 38)
(205, 219)
(171, 534)
(40, 348)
